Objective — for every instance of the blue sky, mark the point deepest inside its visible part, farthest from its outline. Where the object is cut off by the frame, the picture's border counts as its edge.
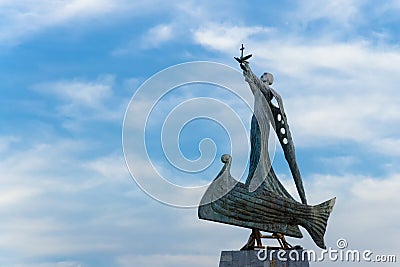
(68, 70)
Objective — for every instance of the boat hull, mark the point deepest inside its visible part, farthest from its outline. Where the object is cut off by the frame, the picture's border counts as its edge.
(243, 208)
(231, 202)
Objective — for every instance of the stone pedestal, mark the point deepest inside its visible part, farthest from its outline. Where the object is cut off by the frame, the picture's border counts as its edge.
(264, 258)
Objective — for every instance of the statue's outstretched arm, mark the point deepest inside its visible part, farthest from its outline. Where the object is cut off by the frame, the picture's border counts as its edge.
(254, 82)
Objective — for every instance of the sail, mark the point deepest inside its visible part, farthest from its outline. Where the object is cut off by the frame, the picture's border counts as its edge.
(282, 130)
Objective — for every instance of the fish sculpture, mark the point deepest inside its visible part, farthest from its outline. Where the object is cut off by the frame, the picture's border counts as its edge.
(262, 203)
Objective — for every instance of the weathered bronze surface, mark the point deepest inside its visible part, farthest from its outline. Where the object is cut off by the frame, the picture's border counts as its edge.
(262, 202)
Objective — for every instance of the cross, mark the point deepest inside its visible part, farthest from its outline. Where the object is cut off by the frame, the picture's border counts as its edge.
(242, 58)
(242, 49)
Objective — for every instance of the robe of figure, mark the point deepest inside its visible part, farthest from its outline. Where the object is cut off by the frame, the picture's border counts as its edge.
(265, 115)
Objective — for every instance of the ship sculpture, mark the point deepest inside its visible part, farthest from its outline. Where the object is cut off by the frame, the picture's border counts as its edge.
(262, 203)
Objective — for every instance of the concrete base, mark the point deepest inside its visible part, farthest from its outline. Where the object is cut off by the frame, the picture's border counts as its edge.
(264, 258)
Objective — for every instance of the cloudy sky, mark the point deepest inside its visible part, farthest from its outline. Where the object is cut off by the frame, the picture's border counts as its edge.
(70, 68)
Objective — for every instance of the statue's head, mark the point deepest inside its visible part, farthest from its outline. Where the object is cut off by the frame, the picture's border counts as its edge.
(267, 78)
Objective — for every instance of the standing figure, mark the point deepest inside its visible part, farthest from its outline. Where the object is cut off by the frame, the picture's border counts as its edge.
(266, 114)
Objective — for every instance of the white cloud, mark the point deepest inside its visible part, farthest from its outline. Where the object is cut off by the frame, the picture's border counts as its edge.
(157, 35)
(364, 204)
(226, 37)
(384, 191)
(164, 260)
(51, 264)
(46, 200)
(83, 206)
(152, 38)
(22, 19)
(10, 196)
(81, 100)
(337, 11)
(389, 146)
(109, 166)
(36, 166)
(186, 17)
(89, 94)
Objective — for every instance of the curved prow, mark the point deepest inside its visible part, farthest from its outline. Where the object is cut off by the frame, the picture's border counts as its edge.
(221, 185)
(227, 160)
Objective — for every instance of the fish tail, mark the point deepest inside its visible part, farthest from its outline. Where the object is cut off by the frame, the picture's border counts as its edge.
(316, 225)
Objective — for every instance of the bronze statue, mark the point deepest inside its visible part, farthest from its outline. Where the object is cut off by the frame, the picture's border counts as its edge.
(262, 203)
